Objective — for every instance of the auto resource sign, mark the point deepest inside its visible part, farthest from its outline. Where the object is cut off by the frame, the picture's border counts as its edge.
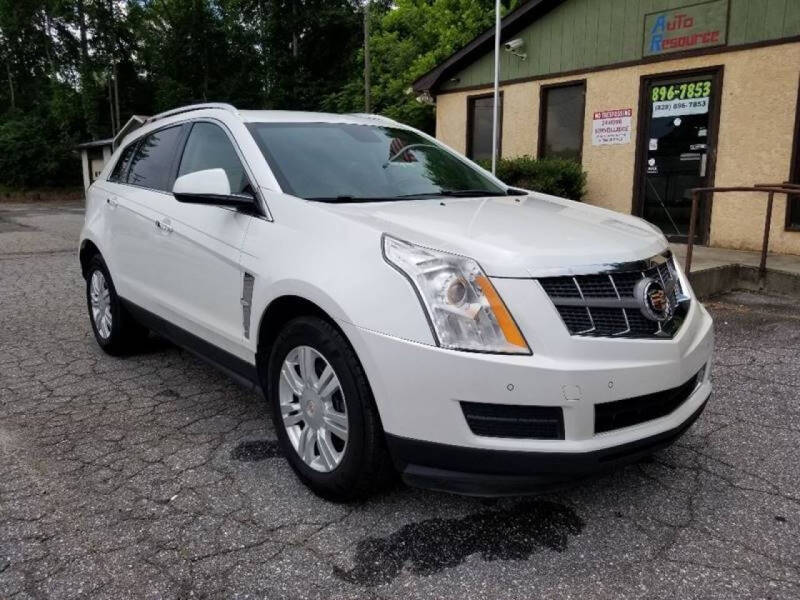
(690, 28)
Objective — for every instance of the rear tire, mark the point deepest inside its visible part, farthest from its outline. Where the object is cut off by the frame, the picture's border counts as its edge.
(115, 330)
(324, 413)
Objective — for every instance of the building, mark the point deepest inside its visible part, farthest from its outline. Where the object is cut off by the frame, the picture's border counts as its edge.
(654, 97)
(95, 154)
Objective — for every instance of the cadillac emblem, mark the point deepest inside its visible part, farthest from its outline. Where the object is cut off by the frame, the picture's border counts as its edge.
(654, 300)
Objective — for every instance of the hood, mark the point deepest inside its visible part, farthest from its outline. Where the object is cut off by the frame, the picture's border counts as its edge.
(514, 236)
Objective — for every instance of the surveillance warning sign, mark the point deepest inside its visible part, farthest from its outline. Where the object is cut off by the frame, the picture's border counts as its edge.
(610, 127)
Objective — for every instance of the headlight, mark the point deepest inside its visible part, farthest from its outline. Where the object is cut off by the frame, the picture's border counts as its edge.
(464, 309)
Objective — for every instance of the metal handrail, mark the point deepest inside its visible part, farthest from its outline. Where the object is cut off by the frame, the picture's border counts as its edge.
(770, 188)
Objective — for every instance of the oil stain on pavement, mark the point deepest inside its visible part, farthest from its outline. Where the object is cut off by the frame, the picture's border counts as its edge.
(435, 544)
(256, 450)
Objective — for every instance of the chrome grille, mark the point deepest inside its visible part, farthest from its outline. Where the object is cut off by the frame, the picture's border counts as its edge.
(603, 303)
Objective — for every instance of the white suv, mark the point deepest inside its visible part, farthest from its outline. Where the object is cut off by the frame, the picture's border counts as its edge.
(400, 308)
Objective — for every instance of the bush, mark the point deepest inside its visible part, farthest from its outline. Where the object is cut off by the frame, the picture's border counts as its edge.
(556, 176)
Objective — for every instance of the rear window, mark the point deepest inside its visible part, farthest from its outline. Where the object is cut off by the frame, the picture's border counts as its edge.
(120, 172)
(151, 166)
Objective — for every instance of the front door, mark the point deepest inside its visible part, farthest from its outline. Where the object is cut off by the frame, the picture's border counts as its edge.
(200, 277)
(677, 147)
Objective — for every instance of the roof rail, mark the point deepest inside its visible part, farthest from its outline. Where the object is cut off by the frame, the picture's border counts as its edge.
(372, 116)
(184, 109)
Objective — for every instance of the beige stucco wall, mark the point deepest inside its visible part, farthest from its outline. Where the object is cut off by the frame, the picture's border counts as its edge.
(759, 97)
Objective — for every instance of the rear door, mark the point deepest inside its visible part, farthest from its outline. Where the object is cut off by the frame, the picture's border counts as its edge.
(138, 205)
(200, 278)
(106, 192)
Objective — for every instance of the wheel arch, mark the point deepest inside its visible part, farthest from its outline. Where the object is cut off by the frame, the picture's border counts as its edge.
(88, 249)
(280, 311)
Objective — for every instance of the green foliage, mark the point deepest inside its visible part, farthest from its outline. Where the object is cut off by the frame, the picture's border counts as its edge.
(407, 40)
(556, 176)
(36, 151)
(62, 63)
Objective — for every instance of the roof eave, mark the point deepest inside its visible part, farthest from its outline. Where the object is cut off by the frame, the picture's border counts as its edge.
(513, 22)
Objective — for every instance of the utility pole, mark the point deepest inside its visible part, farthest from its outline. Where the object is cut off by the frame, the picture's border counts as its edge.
(367, 107)
(111, 103)
(497, 29)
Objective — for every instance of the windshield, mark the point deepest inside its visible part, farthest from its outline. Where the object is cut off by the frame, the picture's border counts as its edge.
(343, 162)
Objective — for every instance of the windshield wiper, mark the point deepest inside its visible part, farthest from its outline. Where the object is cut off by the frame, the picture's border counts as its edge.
(452, 194)
(469, 193)
(348, 198)
(422, 195)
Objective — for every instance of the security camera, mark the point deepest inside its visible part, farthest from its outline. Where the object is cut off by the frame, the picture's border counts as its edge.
(515, 46)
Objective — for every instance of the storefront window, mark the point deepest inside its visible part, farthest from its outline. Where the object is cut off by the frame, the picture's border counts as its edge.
(479, 126)
(561, 121)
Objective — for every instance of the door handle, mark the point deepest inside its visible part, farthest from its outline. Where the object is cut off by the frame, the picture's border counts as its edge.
(164, 225)
(112, 202)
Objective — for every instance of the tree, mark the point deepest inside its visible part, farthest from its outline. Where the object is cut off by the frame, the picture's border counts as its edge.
(410, 37)
(77, 69)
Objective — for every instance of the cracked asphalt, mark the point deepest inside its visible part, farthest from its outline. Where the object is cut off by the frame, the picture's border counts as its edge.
(157, 477)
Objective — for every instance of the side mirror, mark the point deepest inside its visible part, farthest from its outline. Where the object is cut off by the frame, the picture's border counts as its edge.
(210, 187)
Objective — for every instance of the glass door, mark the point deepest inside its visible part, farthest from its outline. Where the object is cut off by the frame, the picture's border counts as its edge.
(676, 150)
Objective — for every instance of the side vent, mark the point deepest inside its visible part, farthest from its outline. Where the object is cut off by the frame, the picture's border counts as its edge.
(247, 300)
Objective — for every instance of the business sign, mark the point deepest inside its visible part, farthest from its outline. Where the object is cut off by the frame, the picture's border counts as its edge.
(689, 28)
(611, 127)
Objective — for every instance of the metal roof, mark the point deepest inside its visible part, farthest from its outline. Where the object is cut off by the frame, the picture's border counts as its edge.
(95, 143)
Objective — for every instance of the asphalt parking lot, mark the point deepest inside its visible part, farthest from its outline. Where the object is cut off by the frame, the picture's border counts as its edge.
(156, 477)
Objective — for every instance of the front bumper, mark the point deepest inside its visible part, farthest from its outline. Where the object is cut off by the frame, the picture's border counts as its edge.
(476, 472)
(419, 390)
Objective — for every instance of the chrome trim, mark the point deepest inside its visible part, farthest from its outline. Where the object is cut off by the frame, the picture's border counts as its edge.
(588, 312)
(624, 310)
(623, 303)
(601, 268)
(248, 282)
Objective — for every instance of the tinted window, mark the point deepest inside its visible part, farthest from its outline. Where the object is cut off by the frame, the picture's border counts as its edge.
(561, 133)
(345, 162)
(481, 115)
(152, 163)
(120, 171)
(209, 148)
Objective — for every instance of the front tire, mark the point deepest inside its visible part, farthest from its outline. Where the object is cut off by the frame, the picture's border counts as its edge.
(324, 413)
(115, 330)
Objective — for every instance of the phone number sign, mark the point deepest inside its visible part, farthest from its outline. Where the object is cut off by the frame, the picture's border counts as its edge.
(610, 127)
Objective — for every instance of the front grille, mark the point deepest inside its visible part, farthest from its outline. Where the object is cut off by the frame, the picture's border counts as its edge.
(632, 411)
(603, 304)
(514, 421)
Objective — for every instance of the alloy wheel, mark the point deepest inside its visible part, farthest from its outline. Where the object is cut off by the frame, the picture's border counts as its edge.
(100, 299)
(313, 408)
